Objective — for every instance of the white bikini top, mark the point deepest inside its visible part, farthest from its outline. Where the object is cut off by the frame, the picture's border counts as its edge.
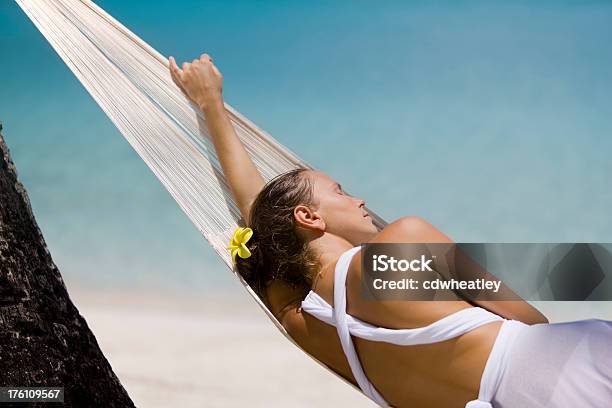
(447, 328)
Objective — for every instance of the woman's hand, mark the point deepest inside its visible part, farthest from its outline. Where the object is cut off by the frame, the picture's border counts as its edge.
(199, 80)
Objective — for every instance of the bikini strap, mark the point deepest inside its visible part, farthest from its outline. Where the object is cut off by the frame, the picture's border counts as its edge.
(340, 318)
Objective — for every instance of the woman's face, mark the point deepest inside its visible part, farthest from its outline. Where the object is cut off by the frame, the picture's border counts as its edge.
(343, 214)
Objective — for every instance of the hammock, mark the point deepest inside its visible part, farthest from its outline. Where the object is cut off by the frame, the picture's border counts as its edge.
(131, 83)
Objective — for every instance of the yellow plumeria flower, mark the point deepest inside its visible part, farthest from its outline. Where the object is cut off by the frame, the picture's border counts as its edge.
(238, 243)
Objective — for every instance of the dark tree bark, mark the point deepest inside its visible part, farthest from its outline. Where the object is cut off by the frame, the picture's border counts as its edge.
(44, 341)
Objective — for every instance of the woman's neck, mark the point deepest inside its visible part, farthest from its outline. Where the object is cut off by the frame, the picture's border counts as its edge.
(328, 248)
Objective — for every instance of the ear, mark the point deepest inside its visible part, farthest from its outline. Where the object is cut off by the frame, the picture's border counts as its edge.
(308, 218)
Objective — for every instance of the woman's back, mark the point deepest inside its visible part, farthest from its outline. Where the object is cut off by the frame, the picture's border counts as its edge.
(438, 374)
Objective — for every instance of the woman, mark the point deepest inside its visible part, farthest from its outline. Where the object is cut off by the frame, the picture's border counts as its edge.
(303, 248)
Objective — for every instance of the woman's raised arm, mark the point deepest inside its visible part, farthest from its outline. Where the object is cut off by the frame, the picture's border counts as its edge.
(202, 82)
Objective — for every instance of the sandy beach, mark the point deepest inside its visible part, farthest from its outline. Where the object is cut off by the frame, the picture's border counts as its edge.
(213, 351)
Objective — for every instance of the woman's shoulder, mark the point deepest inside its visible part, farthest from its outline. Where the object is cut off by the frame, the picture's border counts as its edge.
(409, 229)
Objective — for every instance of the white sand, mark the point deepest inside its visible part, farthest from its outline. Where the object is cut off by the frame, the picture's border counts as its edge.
(177, 350)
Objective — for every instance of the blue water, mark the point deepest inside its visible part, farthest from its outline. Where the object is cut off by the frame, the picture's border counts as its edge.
(491, 120)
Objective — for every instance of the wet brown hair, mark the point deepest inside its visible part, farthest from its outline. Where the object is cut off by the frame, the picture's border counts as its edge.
(277, 252)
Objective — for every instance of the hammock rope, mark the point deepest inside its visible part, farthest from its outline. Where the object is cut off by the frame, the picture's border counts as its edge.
(131, 83)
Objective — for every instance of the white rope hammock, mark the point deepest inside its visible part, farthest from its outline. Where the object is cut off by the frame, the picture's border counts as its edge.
(131, 83)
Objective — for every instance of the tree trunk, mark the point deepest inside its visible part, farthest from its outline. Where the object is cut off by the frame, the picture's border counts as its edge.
(44, 341)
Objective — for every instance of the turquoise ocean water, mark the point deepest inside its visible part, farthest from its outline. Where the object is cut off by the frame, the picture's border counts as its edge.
(491, 120)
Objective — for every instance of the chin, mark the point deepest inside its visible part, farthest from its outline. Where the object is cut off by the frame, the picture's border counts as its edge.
(371, 224)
